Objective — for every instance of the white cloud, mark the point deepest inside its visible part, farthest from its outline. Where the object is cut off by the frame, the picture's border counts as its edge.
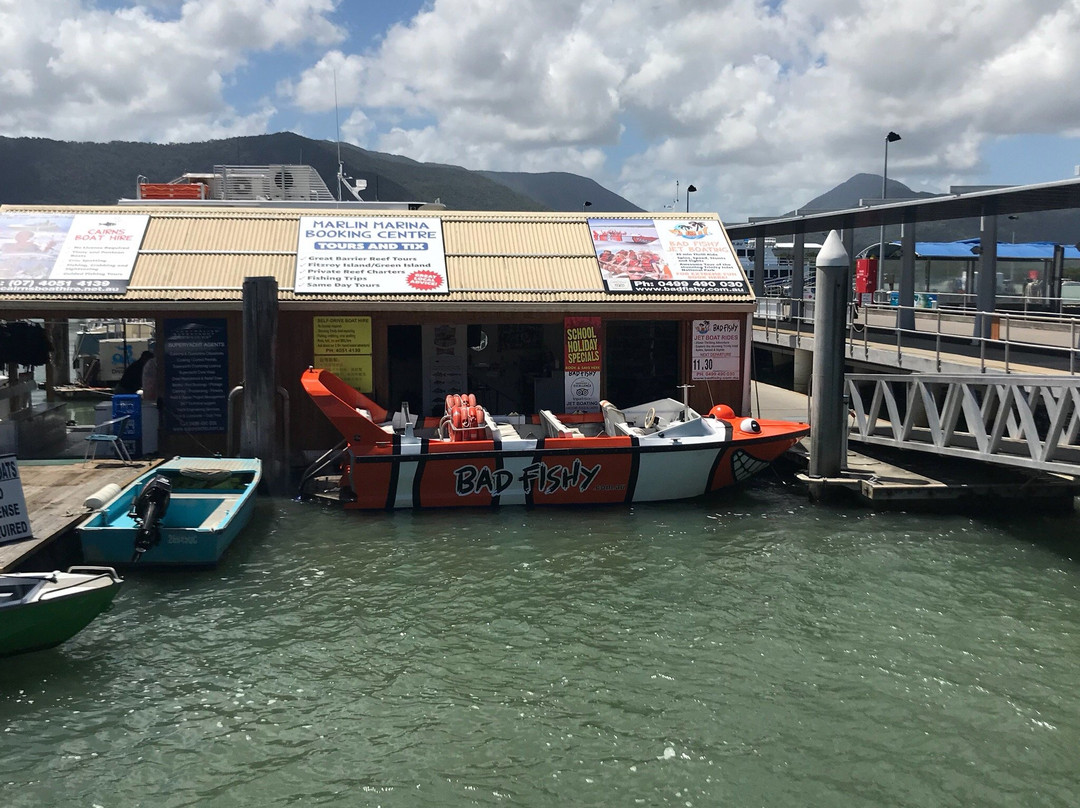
(762, 104)
(83, 73)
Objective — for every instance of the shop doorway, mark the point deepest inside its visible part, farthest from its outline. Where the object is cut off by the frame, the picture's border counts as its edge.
(406, 368)
(518, 368)
(642, 361)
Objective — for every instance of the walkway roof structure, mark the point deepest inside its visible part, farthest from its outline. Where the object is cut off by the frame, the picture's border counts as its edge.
(1006, 251)
(1059, 195)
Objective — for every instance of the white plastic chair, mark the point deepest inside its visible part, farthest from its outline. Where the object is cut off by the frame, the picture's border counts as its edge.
(108, 432)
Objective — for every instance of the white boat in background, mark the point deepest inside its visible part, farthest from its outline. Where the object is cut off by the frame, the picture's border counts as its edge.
(785, 252)
(779, 261)
(102, 349)
(283, 186)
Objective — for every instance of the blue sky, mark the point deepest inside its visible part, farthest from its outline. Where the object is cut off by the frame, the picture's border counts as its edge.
(761, 104)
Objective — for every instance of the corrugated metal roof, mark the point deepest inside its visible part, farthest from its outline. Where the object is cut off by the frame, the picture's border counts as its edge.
(491, 258)
(522, 237)
(523, 273)
(208, 276)
(202, 234)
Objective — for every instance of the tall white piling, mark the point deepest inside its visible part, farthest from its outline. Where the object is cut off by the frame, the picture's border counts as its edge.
(828, 416)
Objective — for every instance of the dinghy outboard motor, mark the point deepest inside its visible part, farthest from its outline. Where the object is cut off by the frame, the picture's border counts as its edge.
(147, 510)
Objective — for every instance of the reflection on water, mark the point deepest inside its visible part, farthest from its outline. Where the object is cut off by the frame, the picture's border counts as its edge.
(745, 649)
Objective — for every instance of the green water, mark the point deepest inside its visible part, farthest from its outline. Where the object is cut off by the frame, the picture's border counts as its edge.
(751, 649)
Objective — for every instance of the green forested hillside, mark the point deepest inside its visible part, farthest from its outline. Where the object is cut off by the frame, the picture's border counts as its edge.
(40, 171)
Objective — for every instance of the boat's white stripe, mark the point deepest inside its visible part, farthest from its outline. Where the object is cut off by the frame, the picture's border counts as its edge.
(515, 495)
(673, 475)
(406, 476)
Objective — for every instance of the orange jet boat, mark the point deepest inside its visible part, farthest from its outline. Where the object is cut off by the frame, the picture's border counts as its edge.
(660, 450)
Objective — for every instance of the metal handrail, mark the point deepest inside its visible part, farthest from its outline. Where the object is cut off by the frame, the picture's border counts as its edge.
(1016, 420)
(793, 314)
(324, 460)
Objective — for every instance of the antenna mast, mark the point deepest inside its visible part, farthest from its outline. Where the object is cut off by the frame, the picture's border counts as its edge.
(337, 137)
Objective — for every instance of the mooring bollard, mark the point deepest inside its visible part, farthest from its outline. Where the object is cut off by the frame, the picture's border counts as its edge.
(828, 415)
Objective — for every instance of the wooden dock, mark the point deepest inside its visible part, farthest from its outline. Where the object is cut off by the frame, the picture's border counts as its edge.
(931, 482)
(55, 493)
(911, 479)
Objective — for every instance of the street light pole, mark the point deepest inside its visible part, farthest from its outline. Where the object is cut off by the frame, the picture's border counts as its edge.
(689, 190)
(892, 137)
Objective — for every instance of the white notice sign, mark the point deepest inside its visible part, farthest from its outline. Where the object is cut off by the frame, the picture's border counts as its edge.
(14, 521)
(581, 391)
(715, 351)
(375, 254)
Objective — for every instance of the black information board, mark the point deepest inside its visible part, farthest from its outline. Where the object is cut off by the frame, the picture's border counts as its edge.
(196, 375)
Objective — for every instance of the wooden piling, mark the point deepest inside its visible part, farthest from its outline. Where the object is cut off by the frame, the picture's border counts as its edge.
(260, 432)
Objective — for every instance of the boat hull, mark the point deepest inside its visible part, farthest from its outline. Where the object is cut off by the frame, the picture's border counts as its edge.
(45, 624)
(198, 526)
(586, 472)
(660, 450)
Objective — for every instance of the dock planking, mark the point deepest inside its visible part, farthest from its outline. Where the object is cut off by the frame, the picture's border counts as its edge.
(55, 493)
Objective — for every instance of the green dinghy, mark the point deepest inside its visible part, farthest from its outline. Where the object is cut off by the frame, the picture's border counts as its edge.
(39, 610)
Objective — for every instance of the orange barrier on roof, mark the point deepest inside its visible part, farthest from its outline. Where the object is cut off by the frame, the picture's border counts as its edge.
(172, 190)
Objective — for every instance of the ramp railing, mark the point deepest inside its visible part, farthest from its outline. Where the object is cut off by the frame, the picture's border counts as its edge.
(1028, 421)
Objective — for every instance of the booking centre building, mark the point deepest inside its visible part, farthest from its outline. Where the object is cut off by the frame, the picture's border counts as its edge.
(526, 311)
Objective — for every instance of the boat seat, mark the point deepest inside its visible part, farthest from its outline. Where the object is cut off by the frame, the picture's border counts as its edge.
(403, 418)
(616, 424)
(615, 421)
(217, 516)
(504, 431)
(108, 433)
(554, 428)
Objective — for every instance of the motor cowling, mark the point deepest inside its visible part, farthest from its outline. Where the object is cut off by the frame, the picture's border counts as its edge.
(147, 510)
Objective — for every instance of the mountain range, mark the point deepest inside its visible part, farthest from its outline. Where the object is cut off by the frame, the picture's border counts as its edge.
(37, 171)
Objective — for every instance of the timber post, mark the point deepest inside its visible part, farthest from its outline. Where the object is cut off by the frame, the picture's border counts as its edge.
(58, 369)
(259, 429)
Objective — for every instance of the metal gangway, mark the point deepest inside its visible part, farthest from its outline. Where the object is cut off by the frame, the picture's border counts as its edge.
(1031, 421)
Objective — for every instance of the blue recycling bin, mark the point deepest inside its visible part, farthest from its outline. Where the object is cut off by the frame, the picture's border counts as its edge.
(132, 434)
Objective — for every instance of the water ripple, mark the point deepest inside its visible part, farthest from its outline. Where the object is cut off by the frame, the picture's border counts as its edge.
(750, 649)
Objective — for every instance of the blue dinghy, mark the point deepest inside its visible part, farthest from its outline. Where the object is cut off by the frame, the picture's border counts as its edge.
(186, 511)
